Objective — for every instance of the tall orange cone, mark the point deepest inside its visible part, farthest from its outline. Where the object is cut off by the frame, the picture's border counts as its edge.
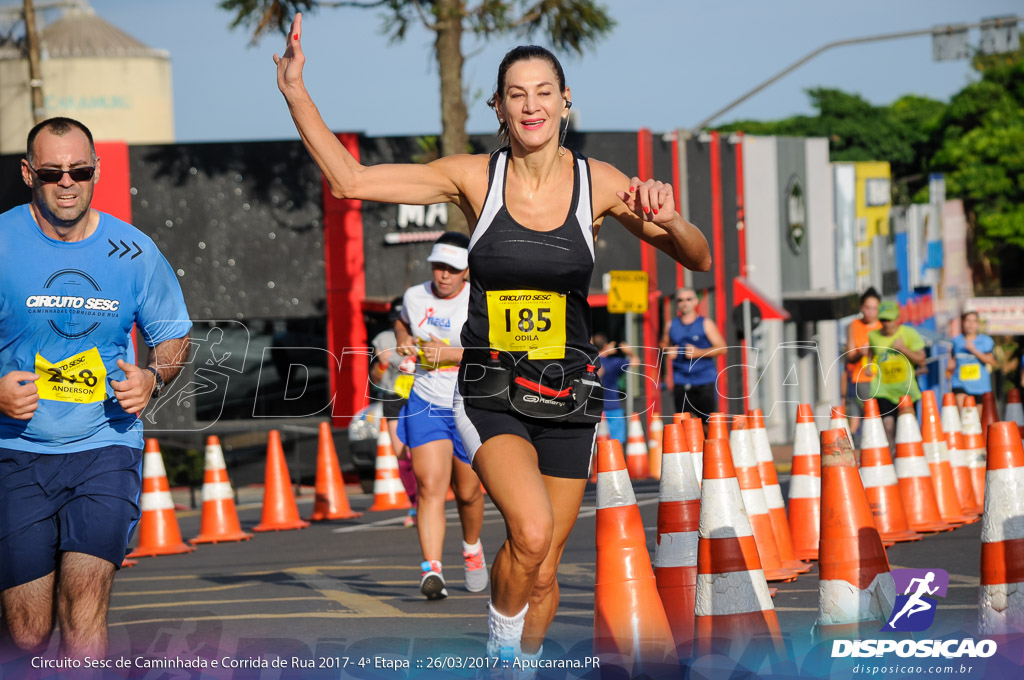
(388, 492)
(936, 452)
(974, 447)
(839, 419)
(855, 591)
(629, 618)
(331, 501)
(915, 479)
(675, 558)
(636, 450)
(603, 435)
(1014, 409)
(693, 429)
(733, 604)
(958, 456)
(749, 478)
(805, 486)
(718, 426)
(655, 435)
(1001, 593)
(773, 493)
(678, 418)
(878, 476)
(158, 528)
(989, 412)
(219, 521)
(280, 512)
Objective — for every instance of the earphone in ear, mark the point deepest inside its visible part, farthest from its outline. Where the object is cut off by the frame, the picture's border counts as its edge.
(568, 103)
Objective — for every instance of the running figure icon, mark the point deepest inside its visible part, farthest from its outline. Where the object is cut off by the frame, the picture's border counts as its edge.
(915, 603)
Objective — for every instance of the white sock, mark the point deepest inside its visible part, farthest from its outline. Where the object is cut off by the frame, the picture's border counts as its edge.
(532, 657)
(472, 549)
(505, 631)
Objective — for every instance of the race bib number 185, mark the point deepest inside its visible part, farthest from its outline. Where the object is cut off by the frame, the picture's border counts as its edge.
(530, 321)
(80, 379)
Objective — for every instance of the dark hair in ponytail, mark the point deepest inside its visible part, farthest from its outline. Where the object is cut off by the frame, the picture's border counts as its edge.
(517, 54)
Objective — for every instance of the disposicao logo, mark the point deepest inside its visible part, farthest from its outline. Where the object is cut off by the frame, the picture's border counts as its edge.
(915, 610)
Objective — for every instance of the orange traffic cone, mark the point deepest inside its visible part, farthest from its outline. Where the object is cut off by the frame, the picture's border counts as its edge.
(331, 501)
(219, 522)
(636, 450)
(1014, 409)
(629, 619)
(158, 529)
(733, 603)
(388, 492)
(718, 426)
(693, 429)
(603, 435)
(936, 452)
(805, 486)
(280, 512)
(678, 418)
(974, 447)
(675, 559)
(773, 493)
(989, 412)
(839, 419)
(655, 435)
(749, 478)
(128, 564)
(878, 476)
(958, 456)
(915, 479)
(1000, 609)
(855, 591)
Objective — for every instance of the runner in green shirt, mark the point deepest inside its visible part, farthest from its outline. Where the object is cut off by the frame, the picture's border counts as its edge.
(896, 351)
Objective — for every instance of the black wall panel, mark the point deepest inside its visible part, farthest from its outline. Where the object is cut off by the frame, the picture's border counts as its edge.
(240, 223)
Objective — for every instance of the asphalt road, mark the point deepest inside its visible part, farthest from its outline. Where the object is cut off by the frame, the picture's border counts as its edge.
(342, 592)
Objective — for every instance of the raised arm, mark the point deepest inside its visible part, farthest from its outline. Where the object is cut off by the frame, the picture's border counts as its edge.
(648, 211)
(441, 181)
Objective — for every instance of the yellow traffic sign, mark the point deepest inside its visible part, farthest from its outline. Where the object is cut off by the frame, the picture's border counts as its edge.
(628, 292)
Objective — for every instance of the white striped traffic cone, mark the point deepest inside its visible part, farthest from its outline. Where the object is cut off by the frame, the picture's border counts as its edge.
(636, 450)
(957, 455)
(675, 558)
(220, 517)
(805, 486)
(878, 476)
(733, 604)
(773, 493)
(749, 478)
(159, 533)
(974, 446)
(388, 492)
(1001, 593)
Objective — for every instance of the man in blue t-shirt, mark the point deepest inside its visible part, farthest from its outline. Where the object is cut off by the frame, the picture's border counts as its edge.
(691, 343)
(971, 360)
(71, 392)
(614, 359)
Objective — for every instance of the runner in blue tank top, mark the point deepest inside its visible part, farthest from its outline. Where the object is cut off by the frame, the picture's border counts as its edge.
(534, 209)
(71, 392)
(693, 341)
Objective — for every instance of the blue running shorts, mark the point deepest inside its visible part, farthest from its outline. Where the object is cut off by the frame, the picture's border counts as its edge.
(85, 502)
(421, 422)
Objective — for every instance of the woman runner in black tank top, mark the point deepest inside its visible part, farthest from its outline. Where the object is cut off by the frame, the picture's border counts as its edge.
(553, 268)
(522, 241)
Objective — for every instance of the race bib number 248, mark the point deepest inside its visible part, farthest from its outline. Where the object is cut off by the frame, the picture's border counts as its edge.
(80, 379)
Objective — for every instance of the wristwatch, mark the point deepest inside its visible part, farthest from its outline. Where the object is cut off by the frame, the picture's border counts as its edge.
(159, 382)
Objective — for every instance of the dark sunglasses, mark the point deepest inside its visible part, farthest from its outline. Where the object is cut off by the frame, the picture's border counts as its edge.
(82, 173)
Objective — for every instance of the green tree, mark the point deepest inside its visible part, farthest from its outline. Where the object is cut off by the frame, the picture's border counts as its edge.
(981, 153)
(569, 25)
(902, 133)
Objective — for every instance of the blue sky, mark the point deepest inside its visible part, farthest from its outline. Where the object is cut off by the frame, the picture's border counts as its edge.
(668, 64)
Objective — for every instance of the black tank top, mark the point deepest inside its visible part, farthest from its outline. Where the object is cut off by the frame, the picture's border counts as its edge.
(527, 286)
